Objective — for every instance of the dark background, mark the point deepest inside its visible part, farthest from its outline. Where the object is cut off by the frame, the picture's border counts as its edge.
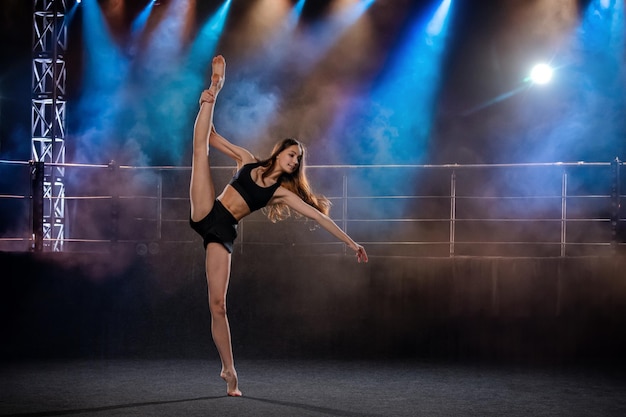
(552, 312)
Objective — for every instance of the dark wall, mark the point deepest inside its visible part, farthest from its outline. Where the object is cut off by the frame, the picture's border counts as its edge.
(285, 304)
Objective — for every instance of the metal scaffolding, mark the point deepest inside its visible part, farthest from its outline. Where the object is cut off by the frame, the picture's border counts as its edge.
(48, 116)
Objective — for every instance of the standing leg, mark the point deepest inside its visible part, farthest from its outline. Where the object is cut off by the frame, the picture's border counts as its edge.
(218, 274)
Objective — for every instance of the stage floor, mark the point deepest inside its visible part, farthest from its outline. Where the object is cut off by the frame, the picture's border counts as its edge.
(306, 388)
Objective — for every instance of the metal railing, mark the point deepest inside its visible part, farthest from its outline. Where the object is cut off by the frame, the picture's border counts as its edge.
(540, 209)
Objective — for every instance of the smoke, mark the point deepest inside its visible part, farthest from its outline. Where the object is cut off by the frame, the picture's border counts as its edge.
(316, 83)
(246, 108)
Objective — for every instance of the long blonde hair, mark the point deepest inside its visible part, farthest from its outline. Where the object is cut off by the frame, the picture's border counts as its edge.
(295, 182)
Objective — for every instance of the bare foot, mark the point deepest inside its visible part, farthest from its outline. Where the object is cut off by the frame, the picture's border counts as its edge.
(218, 67)
(231, 383)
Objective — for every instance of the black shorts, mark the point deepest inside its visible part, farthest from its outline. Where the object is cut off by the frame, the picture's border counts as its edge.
(218, 226)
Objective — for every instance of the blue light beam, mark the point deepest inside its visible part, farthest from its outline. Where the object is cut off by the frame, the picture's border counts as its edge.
(203, 48)
(105, 70)
(437, 23)
(105, 65)
(294, 15)
(140, 21)
(161, 52)
(407, 93)
(69, 17)
(602, 28)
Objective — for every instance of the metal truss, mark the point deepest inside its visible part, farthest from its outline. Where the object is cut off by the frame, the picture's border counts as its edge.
(48, 114)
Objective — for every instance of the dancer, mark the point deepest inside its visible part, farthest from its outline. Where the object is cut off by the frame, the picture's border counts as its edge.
(278, 182)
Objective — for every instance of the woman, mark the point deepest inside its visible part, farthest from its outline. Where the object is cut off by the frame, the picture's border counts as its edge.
(278, 182)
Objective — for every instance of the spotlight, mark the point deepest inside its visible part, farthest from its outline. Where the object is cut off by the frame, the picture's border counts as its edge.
(541, 74)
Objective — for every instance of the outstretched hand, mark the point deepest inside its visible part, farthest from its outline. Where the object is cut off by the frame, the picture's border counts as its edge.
(361, 255)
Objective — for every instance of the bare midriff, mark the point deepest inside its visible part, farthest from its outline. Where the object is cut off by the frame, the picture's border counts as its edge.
(234, 203)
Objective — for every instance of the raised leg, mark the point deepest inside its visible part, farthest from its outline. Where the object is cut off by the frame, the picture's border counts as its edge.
(218, 273)
(201, 187)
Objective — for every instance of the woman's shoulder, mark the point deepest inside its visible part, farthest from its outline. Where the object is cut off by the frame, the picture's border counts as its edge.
(250, 164)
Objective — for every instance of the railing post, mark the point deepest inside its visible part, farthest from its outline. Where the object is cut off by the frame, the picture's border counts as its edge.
(452, 212)
(615, 202)
(563, 213)
(37, 208)
(160, 205)
(344, 214)
(115, 204)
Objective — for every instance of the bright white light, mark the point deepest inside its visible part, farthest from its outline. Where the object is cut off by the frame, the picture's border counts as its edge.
(541, 74)
(436, 24)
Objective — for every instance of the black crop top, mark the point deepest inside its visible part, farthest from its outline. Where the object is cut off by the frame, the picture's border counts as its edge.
(254, 195)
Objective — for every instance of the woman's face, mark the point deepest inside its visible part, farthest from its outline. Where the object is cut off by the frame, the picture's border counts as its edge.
(289, 159)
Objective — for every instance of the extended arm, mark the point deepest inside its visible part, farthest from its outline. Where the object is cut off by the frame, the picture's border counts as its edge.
(285, 196)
